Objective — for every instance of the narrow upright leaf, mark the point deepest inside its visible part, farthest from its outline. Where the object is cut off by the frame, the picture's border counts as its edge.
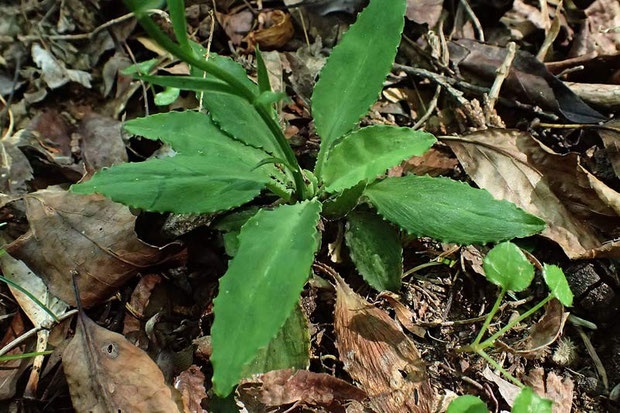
(556, 281)
(353, 76)
(264, 85)
(529, 402)
(506, 265)
(375, 249)
(367, 153)
(182, 184)
(261, 286)
(176, 10)
(449, 211)
(189, 83)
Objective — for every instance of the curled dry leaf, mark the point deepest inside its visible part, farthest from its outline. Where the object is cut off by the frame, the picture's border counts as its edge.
(380, 356)
(581, 212)
(528, 80)
(404, 315)
(106, 373)
(611, 140)
(282, 387)
(132, 328)
(191, 384)
(275, 30)
(554, 388)
(544, 333)
(508, 390)
(88, 235)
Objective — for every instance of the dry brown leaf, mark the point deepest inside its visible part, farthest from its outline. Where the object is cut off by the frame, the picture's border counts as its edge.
(282, 387)
(11, 370)
(191, 384)
(404, 315)
(275, 30)
(604, 20)
(236, 26)
(132, 327)
(554, 388)
(611, 140)
(424, 11)
(434, 163)
(101, 142)
(379, 356)
(106, 373)
(580, 211)
(508, 390)
(88, 235)
(546, 330)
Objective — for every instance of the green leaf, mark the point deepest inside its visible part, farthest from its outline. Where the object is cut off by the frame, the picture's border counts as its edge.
(529, 402)
(191, 133)
(290, 349)
(375, 249)
(353, 76)
(467, 404)
(176, 10)
(262, 285)
(264, 85)
(556, 281)
(167, 96)
(191, 83)
(142, 67)
(367, 153)
(449, 211)
(506, 265)
(230, 226)
(183, 184)
(339, 205)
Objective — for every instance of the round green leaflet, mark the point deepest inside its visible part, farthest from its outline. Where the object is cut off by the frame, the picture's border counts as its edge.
(467, 404)
(506, 265)
(529, 402)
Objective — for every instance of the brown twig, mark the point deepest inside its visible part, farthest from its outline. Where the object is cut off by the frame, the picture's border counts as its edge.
(474, 19)
(501, 74)
(429, 111)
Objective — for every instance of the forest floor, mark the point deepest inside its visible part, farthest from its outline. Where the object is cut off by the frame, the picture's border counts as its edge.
(546, 139)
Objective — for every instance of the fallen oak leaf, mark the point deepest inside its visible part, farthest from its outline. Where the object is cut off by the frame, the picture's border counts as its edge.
(380, 356)
(191, 384)
(106, 373)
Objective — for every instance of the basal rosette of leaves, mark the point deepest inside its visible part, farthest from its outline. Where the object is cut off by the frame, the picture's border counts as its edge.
(236, 151)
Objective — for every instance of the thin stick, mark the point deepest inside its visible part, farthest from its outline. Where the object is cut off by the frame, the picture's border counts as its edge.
(595, 358)
(551, 34)
(576, 126)
(204, 74)
(474, 20)
(502, 73)
(142, 84)
(429, 111)
(11, 345)
(303, 26)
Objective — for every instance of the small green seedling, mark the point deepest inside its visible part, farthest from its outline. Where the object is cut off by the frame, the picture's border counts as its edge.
(237, 151)
(507, 267)
(526, 402)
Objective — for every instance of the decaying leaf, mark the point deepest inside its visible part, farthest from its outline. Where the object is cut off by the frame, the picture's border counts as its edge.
(508, 390)
(106, 373)
(282, 387)
(604, 20)
(379, 356)
(101, 142)
(547, 330)
(403, 314)
(132, 326)
(90, 236)
(11, 370)
(611, 140)
(275, 30)
(559, 390)
(424, 11)
(15, 170)
(191, 384)
(580, 211)
(528, 79)
(544, 333)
